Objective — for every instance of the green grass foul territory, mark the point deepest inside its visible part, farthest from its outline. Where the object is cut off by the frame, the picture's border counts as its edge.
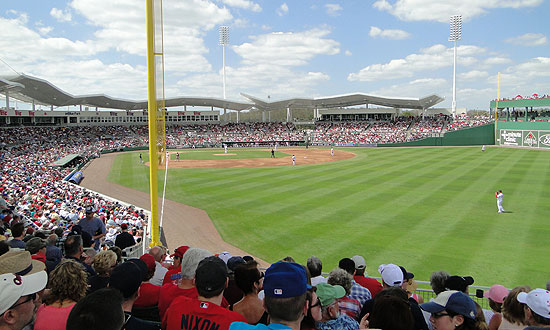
(427, 209)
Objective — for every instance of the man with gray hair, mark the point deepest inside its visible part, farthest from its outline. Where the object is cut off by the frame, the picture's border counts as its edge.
(159, 253)
(186, 286)
(315, 267)
(437, 281)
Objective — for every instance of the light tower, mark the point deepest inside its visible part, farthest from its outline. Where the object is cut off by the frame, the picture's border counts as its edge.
(455, 35)
(224, 41)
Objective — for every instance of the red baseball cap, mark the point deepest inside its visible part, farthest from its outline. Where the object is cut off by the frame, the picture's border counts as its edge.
(180, 251)
(149, 261)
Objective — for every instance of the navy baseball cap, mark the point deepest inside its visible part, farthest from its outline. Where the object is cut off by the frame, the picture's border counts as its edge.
(454, 301)
(285, 280)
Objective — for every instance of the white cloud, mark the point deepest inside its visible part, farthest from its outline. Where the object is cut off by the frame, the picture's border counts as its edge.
(45, 30)
(269, 66)
(376, 32)
(283, 10)
(259, 80)
(286, 49)
(497, 60)
(266, 27)
(441, 11)
(244, 4)
(241, 22)
(61, 15)
(429, 59)
(473, 75)
(122, 28)
(348, 53)
(333, 9)
(529, 39)
(416, 88)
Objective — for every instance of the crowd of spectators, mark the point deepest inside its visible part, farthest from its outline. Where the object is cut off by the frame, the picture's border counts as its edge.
(202, 290)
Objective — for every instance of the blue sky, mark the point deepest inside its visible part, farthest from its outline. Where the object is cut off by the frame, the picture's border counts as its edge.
(284, 49)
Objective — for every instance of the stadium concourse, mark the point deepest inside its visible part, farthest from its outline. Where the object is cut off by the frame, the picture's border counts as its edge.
(72, 238)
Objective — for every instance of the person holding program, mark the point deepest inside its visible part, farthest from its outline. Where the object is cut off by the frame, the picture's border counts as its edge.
(500, 196)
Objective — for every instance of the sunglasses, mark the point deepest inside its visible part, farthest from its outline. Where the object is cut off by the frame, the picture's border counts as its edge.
(318, 303)
(440, 314)
(31, 297)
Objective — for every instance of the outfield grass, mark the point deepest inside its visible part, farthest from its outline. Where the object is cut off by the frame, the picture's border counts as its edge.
(215, 154)
(425, 208)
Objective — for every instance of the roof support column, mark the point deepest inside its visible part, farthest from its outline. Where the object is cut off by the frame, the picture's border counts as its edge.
(526, 111)
(51, 107)
(263, 116)
(7, 100)
(33, 106)
(288, 114)
(238, 112)
(224, 119)
(81, 108)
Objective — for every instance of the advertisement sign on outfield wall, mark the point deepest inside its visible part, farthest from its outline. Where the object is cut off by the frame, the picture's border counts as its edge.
(524, 138)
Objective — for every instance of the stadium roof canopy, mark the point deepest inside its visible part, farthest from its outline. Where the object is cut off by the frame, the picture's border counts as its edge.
(30, 89)
(348, 100)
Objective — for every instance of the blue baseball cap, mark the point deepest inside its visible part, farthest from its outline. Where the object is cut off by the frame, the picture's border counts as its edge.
(454, 301)
(285, 280)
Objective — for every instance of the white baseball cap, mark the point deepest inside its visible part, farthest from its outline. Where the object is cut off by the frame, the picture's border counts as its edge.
(13, 287)
(538, 300)
(391, 274)
(359, 262)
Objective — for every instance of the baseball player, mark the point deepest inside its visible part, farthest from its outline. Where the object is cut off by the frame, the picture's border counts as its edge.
(500, 196)
(293, 160)
(225, 148)
(177, 156)
(331, 151)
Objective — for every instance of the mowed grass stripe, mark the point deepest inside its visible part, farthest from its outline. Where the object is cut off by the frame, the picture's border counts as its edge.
(470, 229)
(415, 210)
(448, 225)
(429, 208)
(493, 229)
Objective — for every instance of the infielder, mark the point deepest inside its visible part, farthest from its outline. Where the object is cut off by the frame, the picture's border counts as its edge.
(332, 151)
(177, 156)
(293, 160)
(225, 148)
(500, 196)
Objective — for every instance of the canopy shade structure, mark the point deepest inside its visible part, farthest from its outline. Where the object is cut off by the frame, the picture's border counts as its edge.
(30, 89)
(35, 90)
(347, 100)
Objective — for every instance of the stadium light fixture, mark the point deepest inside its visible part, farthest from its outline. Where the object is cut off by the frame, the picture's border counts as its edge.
(224, 41)
(455, 35)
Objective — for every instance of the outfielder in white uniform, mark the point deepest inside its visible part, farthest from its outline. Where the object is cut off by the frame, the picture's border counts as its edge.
(500, 196)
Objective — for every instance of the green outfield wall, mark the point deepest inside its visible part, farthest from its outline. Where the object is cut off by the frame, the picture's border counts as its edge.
(480, 135)
(523, 134)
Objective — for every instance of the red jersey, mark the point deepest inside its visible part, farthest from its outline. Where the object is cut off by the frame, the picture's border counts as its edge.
(370, 283)
(186, 313)
(169, 273)
(169, 292)
(148, 295)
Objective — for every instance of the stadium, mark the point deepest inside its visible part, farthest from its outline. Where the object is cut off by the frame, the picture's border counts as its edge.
(393, 180)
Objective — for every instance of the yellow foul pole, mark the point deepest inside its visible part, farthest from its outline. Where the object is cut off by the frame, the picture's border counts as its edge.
(152, 111)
